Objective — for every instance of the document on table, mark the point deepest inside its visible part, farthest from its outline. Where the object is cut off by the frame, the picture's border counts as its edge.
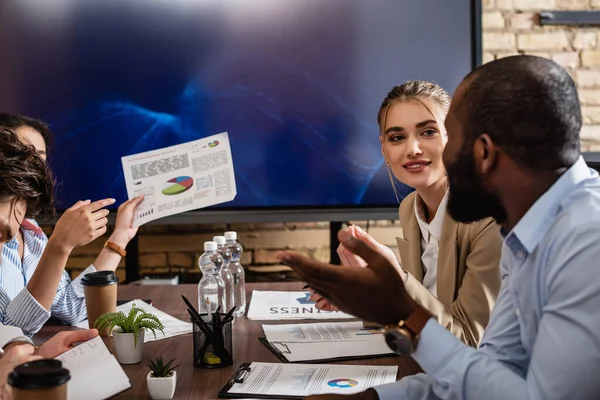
(322, 332)
(88, 362)
(266, 305)
(180, 178)
(173, 326)
(329, 351)
(324, 342)
(293, 380)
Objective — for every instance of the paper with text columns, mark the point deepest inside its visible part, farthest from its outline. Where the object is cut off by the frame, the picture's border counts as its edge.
(307, 379)
(180, 178)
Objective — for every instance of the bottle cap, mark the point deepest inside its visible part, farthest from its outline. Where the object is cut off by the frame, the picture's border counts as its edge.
(219, 239)
(231, 235)
(210, 246)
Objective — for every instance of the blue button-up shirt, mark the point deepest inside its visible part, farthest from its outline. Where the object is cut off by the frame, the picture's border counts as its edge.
(17, 306)
(543, 338)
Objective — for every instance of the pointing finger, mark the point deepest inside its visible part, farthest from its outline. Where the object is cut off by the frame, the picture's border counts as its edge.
(99, 204)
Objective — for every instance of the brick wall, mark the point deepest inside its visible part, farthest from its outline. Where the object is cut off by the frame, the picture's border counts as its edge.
(175, 249)
(512, 27)
(509, 27)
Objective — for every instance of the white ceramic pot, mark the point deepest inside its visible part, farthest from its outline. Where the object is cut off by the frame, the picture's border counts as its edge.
(161, 388)
(127, 353)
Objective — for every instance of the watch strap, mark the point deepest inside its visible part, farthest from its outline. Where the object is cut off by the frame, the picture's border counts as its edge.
(116, 248)
(416, 320)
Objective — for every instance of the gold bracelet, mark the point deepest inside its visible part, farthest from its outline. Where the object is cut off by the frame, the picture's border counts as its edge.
(115, 247)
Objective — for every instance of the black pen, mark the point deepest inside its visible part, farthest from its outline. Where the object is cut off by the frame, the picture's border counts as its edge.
(228, 317)
(191, 308)
(203, 327)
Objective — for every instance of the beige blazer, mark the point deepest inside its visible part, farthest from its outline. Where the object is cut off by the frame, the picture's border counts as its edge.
(468, 275)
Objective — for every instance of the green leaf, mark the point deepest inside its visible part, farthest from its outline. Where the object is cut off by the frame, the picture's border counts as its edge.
(135, 320)
(159, 369)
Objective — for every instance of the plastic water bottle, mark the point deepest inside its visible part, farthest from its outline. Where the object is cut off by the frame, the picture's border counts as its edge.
(226, 275)
(211, 289)
(237, 271)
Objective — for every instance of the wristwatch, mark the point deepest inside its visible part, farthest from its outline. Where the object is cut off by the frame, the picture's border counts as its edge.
(403, 337)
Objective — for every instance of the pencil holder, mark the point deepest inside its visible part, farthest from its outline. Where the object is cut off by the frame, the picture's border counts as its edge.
(213, 341)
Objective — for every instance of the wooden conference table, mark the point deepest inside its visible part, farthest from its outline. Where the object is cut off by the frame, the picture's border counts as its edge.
(197, 383)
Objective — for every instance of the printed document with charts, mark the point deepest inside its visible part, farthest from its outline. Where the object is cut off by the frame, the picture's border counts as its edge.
(95, 373)
(180, 178)
(270, 380)
(267, 305)
(321, 342)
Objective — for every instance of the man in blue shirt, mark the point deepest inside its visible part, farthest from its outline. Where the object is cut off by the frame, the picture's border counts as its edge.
(513, 153)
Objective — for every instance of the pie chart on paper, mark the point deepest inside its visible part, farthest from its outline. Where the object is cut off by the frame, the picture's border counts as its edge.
(177, 185)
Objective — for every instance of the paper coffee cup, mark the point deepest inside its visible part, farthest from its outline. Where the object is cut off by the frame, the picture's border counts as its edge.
(100, 289)
(41, 379)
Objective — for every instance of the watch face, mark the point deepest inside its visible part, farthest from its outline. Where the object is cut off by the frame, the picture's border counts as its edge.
(398, 343)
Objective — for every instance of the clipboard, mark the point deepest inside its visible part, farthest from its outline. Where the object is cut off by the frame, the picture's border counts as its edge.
(281, 355)
(238, 377)
(296, 381)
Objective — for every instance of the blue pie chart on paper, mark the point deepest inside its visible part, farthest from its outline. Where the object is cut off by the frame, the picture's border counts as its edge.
(342, 383)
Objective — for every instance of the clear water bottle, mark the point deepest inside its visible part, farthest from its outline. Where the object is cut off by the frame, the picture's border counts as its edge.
(226, 275)
(211, 289)
(237, 271)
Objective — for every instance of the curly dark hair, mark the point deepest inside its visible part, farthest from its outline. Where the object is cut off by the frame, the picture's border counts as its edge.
(25, 176)
(15, 121)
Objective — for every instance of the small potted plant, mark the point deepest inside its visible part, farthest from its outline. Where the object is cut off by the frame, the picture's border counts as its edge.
(128, 331)
(161, 379)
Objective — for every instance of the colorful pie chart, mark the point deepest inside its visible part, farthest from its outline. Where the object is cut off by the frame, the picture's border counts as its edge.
(177, 185)
(342, 383)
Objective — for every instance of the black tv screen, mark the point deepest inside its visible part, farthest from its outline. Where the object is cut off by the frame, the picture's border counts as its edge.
(297, 85)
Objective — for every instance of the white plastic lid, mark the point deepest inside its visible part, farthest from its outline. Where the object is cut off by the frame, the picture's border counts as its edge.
(210, 246)
(219, 239)
(231, 235)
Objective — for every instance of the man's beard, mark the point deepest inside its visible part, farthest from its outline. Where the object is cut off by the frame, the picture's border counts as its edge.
(468, 200)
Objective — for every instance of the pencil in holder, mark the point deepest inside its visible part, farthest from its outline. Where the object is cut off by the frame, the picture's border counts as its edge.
(213, 347)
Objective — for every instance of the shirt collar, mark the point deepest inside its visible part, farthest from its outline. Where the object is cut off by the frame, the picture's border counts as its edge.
(542, 213)
(31, 225)
(434, 228)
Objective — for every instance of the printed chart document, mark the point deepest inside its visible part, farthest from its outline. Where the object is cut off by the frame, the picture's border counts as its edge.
(322, 342)
(266, 305)
(95, 373)
(173, 326)
(293, 380)
(180, 178)
(322, 332)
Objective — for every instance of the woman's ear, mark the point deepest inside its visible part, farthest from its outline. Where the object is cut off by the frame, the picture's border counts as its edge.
(383, 150)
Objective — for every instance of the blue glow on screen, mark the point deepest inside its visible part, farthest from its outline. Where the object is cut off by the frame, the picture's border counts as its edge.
(296, 83)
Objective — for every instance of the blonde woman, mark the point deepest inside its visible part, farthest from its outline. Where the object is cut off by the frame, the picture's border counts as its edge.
(450, 268)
